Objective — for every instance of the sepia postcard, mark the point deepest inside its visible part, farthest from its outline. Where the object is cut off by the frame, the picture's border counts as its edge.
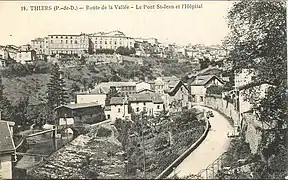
(143, 90)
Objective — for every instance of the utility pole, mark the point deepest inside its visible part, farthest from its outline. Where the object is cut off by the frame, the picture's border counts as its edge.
(143, 144)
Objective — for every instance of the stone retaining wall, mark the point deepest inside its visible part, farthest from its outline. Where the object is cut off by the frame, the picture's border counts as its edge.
(173, 165)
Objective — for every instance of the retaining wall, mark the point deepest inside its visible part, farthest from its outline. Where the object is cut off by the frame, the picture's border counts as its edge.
(175, 163)
(223, 106)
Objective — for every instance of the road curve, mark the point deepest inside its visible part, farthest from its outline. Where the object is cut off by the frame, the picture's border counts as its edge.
(215, 144)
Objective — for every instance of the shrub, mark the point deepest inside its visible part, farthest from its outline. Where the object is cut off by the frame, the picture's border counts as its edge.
(104, 132)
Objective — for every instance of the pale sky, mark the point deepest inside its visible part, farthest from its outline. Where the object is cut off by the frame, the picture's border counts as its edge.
(206, 25)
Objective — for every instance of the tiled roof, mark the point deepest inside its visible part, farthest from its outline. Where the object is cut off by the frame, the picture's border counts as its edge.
(117, 100)
(156, 98)
(6, 141)
(79, 105)
(176, 88)
(143, 89)
(140, 98)
(202, 80)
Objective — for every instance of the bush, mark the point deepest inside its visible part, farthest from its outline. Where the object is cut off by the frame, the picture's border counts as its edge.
(160, 142)
(215, 90)
(104, 51)
(104, 132)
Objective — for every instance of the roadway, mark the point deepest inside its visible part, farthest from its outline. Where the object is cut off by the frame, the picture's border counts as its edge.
(215, 144)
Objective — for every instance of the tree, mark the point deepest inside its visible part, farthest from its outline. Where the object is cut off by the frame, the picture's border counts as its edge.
(204, 63)
(112, 93)
(56, 92)
(258, 41)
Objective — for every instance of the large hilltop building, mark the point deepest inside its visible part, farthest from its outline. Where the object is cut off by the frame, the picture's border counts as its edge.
(79, 44)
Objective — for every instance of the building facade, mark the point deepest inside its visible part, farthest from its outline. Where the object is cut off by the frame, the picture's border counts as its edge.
(200, 85)
(111, 40)
(177, 97)
(123, 107)
(40, 45)
(68, 44)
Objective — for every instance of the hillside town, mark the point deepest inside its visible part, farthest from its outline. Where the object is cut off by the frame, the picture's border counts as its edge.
(107, 105)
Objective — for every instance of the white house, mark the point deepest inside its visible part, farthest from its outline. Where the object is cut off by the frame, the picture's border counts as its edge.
(200, 85)
(26, 56)
(122, 107)
(151, 103)
(119, 108)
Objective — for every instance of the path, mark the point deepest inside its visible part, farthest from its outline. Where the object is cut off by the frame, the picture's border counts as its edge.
(215, 144)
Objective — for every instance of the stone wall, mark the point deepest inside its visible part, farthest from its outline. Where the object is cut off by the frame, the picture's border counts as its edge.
(251, 127)
(216, 102)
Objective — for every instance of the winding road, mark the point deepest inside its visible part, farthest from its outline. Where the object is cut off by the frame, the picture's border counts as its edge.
(214, 145)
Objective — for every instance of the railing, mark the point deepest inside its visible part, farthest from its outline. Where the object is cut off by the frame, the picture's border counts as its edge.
(175, 163)
(211, 171)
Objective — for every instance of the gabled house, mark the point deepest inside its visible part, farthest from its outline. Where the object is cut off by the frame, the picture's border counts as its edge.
(177, 96)
(200, 85)
(7, 149)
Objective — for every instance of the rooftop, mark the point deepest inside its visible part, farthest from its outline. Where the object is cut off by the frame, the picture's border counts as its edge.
(202, 80)
(79, 106)
(6, 141)
(117, 100)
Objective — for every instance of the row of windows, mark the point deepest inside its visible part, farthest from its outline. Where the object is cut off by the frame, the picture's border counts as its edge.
(128, 88)
(137, 109)
(71, 42)
(65, 52)
(61, 37)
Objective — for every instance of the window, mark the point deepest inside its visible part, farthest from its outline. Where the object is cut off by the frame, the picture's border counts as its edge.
(115, 42)
(75, 42)
(61, 41)
(201, 98)
(57, 37)
(144, 109)
(71, 41)
(158, 106)
(108, 116)
(144, 103)
(71, 37)
(66, 41)
(61, 37)
(137, 109)
(119, 110)
(51, 36)
(51, 41)
(105, 42)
